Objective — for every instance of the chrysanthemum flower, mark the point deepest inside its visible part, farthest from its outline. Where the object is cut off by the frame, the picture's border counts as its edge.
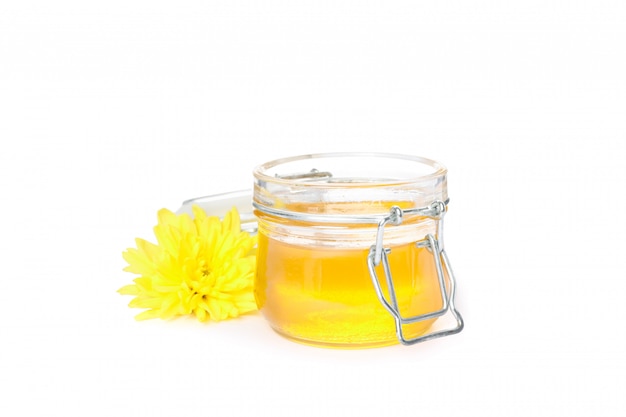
(201, 266)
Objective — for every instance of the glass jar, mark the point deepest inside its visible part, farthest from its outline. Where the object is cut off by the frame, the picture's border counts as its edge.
(350, 249)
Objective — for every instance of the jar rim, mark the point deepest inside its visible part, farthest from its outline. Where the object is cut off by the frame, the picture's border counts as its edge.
(260, 172)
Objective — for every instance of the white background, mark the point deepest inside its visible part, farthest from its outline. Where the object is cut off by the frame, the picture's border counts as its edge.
(112, 110)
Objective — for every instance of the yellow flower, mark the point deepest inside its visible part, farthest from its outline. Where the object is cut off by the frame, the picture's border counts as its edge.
(199, 266)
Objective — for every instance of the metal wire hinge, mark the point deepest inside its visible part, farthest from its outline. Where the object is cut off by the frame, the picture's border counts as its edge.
(378, 254)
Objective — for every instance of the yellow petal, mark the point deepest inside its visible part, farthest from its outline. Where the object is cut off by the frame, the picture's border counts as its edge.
(170, 306)
(166, 217)
(198, 214)
(138, 262)
(201, 314)
(215, 310)
(145, 302)
(146, 315)
(129, 290)
(231, 222)
(143, 283)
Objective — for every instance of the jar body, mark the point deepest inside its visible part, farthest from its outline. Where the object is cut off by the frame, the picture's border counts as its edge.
(324, 295)
(313, 284)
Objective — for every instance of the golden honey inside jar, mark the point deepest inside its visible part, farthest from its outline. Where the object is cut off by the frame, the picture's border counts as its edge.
(318, 223)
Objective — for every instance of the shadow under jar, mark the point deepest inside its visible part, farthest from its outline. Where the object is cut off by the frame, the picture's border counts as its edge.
(350, 249)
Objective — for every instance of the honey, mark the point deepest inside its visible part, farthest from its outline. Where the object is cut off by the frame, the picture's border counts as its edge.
(325, 296)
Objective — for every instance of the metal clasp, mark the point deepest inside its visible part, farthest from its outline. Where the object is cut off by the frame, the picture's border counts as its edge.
(378, 254)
